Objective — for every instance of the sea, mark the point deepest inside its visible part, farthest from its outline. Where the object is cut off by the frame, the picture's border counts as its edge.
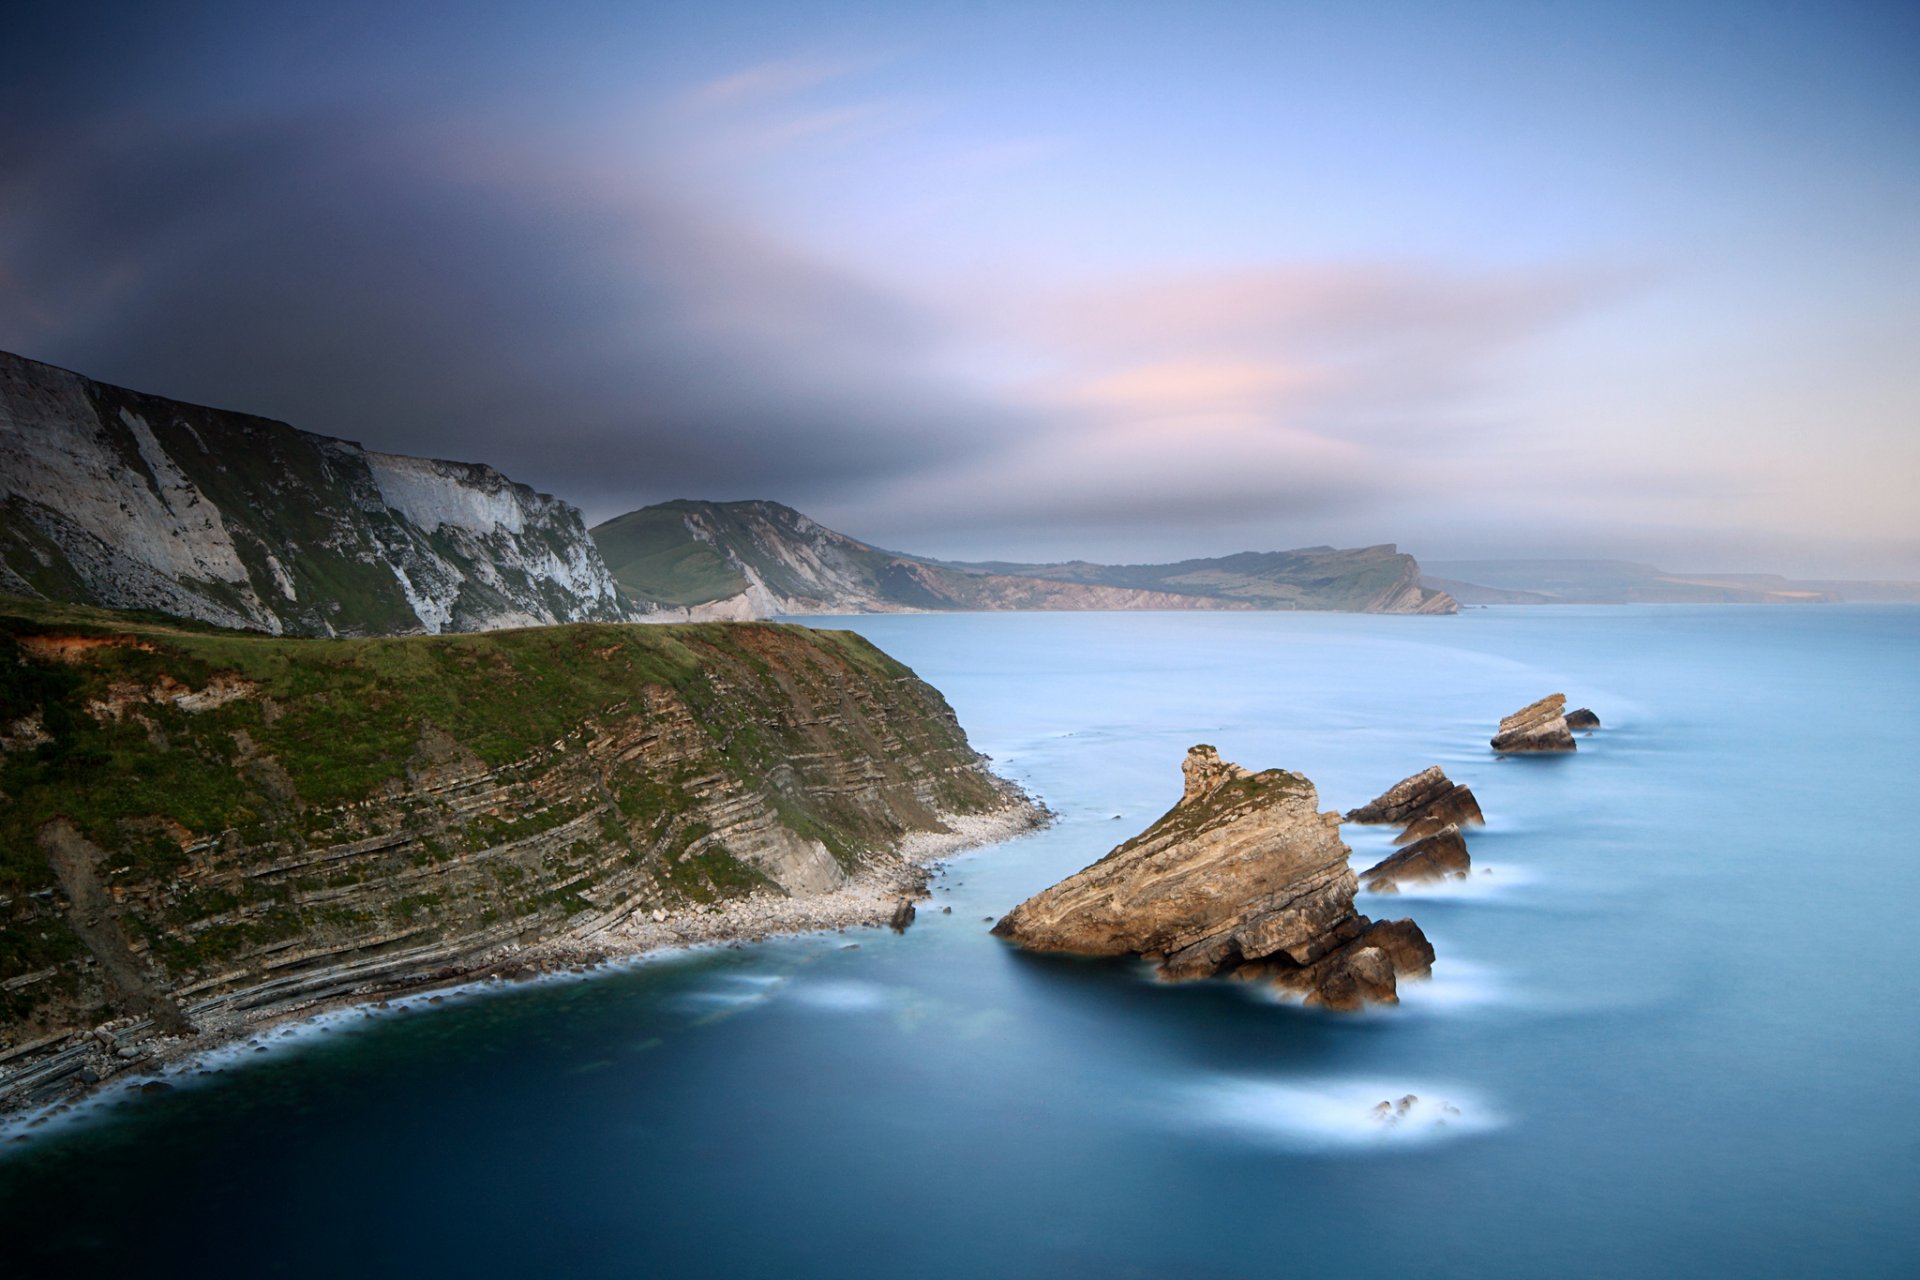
(1673, 1029)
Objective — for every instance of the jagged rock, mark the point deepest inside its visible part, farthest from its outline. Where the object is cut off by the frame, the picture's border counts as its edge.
(1441, 856)
(1541, 727)
(1204, 770)
(1424, 804)
(1243, 877)
(1367, 976)
(1582, 719)
(903, 914)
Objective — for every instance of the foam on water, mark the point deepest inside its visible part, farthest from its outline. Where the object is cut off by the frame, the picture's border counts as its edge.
(1334, 1115)
(1455, 984)
(1486, 882)
(733, 992)
(841, 997)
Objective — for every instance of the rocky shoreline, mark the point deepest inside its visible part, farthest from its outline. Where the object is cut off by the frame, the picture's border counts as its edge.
(867, 899)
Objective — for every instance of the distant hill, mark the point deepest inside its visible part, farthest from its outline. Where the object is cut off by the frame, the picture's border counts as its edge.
(118, 498)
(756, 559)
(1475, 582)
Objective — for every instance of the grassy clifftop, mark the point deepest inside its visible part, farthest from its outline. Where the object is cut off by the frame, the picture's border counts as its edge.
(234, 814)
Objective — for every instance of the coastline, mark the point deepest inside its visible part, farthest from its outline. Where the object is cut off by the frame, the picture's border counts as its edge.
(868, 899)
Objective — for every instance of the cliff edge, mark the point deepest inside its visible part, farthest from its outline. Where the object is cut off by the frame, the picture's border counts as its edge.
(203, 827)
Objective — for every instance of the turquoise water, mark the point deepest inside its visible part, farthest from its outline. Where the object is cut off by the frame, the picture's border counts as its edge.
(1672, 1031)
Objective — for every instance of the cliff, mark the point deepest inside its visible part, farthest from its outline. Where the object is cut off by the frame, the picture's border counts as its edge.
(1245, 877)
(202, 825)
(117, 498)
(754, 559)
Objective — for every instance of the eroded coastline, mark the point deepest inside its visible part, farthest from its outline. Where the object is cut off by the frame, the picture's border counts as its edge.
(867, 900)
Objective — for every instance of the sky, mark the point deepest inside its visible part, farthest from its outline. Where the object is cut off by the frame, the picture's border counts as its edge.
(1026, 280)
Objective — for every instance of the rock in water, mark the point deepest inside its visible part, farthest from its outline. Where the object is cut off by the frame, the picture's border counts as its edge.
(903, 914)
(1441, 856)
(1537, 728)
(1425, 804)
(1582, 719)
(1244, 877)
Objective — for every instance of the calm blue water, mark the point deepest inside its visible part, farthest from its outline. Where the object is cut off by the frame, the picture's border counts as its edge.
(1677, 1020)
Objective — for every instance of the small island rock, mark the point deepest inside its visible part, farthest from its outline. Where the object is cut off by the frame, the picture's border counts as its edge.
(1244, 877)
(1540, 727)
(1426, 803)
(1441, 856)
(1582, 719)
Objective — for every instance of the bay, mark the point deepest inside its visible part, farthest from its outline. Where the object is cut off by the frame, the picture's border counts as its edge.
(1671, 1030)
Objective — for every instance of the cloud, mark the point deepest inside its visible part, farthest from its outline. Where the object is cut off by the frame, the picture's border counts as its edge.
(776, 79)
(385, 284)
(613, 333)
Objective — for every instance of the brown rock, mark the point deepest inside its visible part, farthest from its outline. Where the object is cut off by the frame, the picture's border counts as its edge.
(1244, 876)
(903, 914)
(1363, 976)
(1441, 856)
(1541, 727)
(1204, 770)
(1424, 804)
(1582, 719)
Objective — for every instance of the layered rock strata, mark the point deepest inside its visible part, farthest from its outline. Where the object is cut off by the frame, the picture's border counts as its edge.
(1538, 728)
(207, 828)
(1422, 805)
(1244, 877)
(1440, 856)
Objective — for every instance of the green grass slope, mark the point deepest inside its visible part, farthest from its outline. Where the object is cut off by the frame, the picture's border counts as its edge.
(203, 763)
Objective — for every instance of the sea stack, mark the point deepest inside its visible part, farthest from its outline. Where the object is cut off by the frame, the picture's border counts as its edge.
(1582, 719)
(1539, 728)
(1440, 856)
(1425, 804)
(1244, 877)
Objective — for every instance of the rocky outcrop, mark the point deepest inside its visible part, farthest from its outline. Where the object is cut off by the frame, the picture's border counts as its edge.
(1426, 803)
(1203, 770)
(687, 560)
(1437, 857)
(1245, 877)
(1538, 728)
(1582, 719)
(214, 827)
(118, 498)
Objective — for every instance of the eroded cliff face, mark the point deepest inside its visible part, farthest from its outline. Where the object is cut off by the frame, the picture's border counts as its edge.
(113, 497)
(1245, 877)
(200, 826)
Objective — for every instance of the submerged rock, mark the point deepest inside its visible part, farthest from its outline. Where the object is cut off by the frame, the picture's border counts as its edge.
(1244, 877)
(1441, 856)
(1582, 719)
(1426, 803)
(1541, 727)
